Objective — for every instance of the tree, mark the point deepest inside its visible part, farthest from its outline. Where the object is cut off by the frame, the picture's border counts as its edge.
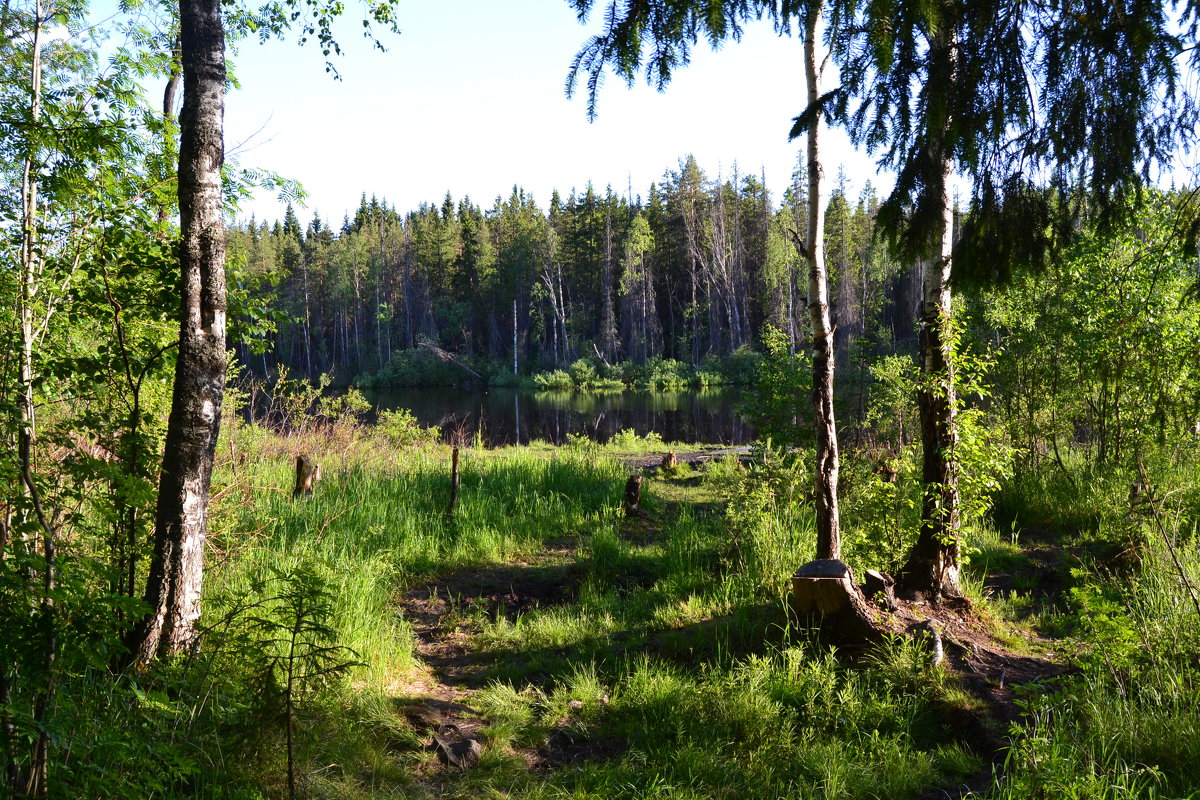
(920, 87)
(946, 87)
(829, 544)
(176, 570)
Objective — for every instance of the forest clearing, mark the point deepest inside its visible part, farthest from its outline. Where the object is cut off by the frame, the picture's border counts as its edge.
(594, 654)
(736, 487)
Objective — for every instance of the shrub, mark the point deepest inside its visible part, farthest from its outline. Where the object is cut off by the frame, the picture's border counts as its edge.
(504, 378)
(402, 427)
(553, 380)
(417, 367)
(628, 439)
(583, 373)
(662, 374)
(777, 402)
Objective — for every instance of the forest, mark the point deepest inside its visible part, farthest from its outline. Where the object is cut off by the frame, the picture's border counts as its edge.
(961, 558)
(696, 272)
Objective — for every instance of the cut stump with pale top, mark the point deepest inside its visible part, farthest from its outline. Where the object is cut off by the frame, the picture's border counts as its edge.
(825, 596)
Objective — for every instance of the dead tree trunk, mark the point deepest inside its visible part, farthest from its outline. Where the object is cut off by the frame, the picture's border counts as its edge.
(450, 506)
(633, 496)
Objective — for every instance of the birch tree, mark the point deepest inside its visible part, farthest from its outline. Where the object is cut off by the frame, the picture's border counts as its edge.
(177, 566)
(176, 570)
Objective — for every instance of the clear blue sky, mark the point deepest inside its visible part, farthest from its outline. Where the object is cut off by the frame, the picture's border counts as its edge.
(470, 98)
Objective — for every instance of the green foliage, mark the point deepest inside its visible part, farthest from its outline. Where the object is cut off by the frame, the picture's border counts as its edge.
(298, 656)
(881, 508)
(660, 374)
(401, 428)
(1101, 350)
(418, 367)
(892, 401)
(655, 374)
(778, 401)
(554, 380)
(628, 440)
(349, 406)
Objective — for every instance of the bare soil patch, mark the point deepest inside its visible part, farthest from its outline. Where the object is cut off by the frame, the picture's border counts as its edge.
(444, 612)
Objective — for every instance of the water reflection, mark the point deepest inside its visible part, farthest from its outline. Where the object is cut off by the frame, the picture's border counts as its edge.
(508, 416)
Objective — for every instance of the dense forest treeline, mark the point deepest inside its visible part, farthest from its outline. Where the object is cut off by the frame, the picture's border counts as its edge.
(694, 271)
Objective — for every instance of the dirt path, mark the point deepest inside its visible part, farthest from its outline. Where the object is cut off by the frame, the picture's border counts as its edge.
(986, 665)
(445, 613)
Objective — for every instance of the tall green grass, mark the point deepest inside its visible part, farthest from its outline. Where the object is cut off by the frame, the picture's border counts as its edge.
(1124, 724)
(374, 527)
(670, 635)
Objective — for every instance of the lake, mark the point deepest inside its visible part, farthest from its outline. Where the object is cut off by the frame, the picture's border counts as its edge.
(510, 416)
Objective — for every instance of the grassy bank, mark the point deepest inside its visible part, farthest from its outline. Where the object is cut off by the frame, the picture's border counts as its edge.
(615, 658)
(596, 655)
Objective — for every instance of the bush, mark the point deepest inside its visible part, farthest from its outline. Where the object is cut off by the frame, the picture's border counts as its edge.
(401, 427)
(556, 379)
(737, 369)
(662, 374)
(504, 378)
(777, 402)
(349, 407)
(583, 373)
(628, 439)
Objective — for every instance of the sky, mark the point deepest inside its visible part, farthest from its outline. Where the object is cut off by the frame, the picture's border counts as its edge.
(470, 99)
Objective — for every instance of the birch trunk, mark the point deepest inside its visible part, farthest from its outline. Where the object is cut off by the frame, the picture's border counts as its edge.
(829, 542)
(932, 569)
(31, 273)
(176, 571)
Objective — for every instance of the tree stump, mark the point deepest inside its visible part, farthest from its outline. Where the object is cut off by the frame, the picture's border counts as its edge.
(307, 474)
(825, 596)
(879, 586)
(633, 496)
(453, 484)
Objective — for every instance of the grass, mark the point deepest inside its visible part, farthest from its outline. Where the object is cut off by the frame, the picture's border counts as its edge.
(658, 662)
(1123, 725)
(663, 667)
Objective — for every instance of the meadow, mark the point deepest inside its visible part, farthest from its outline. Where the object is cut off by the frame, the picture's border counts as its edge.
(593, 655)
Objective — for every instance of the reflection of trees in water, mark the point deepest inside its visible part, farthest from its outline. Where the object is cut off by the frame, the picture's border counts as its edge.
(505, 416)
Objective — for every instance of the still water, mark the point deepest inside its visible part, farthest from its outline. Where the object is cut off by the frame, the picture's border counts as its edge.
(509, 416)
